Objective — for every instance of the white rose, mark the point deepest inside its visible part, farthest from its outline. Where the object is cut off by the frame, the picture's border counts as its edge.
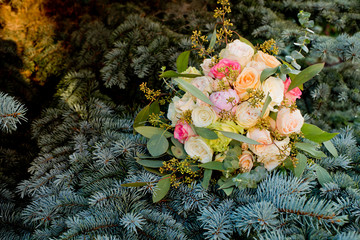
(260, 66)
(197, 147)
(247, 116)
(288, 121)
(275, 87)
(238, 51)
(185, 103)
(204, 84)
(206, 66)
(172, 114)
(203, 116)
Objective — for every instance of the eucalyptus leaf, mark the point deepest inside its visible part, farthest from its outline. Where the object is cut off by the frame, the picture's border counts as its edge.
(169, 74)
(244, 40)
(228, 183)
(157, 145)
(273, 115)
(162, 188)
(213, 40)
(206, 133)
(315, 134)
(154, 108)
(228, 191)
(193, 90)
(239, 137)
(213, 165)
(142, 116)
(154, 171)
(305, 75)
(266, 104)
(182, 61)
(206, 179)
(331, 148)
(310, 148)
(322, 175)
(150, 163)
(267, 72)
(149, 131)
(296, 54)
(301, 165)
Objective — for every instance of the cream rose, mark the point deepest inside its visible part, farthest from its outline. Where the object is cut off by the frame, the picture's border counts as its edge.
(246, 161)
(260, 66)
(288, 121)
(197, 147)
(238, 51)
(172, 114)
(280, 151)
(248, 78)
(247, 116)
(275, 88)
(261, 136)
(185, 103)
(269, 60)
(204, 84)
(203, 116)
(206, 67)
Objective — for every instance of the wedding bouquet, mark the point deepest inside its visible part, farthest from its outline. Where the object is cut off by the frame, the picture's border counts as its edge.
(230, 122)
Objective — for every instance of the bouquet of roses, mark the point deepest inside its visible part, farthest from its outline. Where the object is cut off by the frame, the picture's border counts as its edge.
(232, 121)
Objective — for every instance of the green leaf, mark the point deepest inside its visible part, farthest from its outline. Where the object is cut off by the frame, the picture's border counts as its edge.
(193, 90)
(182, 61)
(273, 115)
(157, 145)
(154, 170)
(150, 163)
(169, 74)
(142, 116)
(162, 188)
(213, 165)
(228, 183)
(228, 191)
(149, 131)
(206, 133)
(301, 165)
(322, 175)
(178, 152)
(239, 137)
(315, 134)
(267, 72)
(266, 104)
(173, 74)
(206, 179)
(154, 108)
(305, 75)
(331, 148)
(135, 184)
(213, 40)
(309, 148)
(296, 54)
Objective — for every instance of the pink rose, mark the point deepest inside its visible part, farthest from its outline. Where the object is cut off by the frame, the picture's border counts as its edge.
(226, 64)
(224, 100)
(183, 131)
(292, 95)
(288, 121)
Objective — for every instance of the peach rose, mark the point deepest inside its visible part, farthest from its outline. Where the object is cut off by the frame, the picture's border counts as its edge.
(261, 136)
(288, 121)
(248, 78)
(246, 161)
(272, 159)
(269, 60)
